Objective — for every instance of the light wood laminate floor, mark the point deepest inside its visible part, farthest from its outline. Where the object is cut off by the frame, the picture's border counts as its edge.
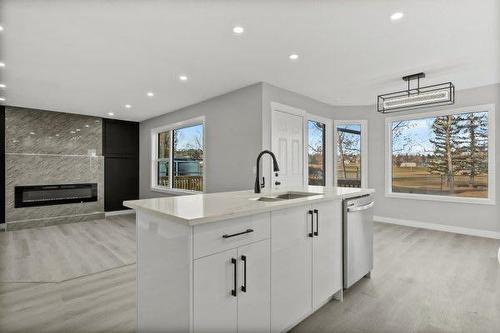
(423, 281)
(62, 252)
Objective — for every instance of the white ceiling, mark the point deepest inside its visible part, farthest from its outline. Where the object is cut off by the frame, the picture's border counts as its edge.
(95, 56)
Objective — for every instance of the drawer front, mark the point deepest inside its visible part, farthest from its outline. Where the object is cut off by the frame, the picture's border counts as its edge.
(220, 236)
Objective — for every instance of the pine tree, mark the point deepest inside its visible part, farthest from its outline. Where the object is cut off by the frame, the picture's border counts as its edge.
(446, 148)
(474, 159)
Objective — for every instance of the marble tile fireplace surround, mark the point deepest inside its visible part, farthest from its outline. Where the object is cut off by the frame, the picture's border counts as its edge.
(51, 148)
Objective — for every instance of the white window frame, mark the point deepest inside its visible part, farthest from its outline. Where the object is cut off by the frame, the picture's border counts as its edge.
(154, 156)
(364, 149)
(490, 108)
(328, 144)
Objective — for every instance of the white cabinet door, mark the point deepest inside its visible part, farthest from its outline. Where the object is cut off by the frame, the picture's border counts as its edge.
(215, 307)
(327, 251)
(254, 294)
(291, 260)
(287, 145)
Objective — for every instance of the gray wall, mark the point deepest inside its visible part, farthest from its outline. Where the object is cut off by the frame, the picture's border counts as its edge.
(233, 139)
(234, 128)
(272, 93)
(45, 147)
(474, 216)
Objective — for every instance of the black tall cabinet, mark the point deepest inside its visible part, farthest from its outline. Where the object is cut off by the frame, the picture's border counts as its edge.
(121, 163)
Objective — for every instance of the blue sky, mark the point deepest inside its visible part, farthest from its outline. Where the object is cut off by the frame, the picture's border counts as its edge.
(354, 138)
(187, 136)
(415, 136)
(315, 136)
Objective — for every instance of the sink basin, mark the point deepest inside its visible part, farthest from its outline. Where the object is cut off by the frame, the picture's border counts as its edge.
(285, 196)
(295, 195)
(268, 199)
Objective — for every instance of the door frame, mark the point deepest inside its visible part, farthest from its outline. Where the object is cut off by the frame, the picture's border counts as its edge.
(364, 149)
(267, 135)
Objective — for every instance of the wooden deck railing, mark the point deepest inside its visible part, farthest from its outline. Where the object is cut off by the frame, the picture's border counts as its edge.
(192, 183)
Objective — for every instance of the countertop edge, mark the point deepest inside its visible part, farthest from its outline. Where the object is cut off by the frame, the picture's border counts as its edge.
(251, 211)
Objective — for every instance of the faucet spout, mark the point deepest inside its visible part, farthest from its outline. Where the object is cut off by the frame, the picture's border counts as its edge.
(276, 168)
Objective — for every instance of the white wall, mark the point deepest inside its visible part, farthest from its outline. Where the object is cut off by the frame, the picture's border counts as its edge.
(233, 139)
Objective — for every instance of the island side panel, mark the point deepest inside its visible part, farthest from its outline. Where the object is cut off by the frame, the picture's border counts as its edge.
(164, 271)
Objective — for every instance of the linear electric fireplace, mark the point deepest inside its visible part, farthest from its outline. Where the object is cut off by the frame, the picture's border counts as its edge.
(46, 195)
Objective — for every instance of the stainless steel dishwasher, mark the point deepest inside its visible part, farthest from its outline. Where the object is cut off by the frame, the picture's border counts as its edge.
(358, 238)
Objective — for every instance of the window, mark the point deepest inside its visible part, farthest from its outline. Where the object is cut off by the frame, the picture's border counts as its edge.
(163, 158)
(178, 157)
(316, 152)
(351, 153)
(442, 155)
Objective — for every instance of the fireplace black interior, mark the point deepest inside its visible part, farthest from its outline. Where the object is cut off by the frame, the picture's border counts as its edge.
(46, 195)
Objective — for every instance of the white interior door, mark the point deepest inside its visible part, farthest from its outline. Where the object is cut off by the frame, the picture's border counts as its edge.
(288, 146)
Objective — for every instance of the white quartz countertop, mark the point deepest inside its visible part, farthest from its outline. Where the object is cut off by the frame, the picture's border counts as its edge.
(204, 208)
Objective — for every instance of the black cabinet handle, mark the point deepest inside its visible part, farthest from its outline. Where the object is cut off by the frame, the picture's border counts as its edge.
(244, 286)
(237, 234)
(311, 234)
(234, 262)
(316, 233)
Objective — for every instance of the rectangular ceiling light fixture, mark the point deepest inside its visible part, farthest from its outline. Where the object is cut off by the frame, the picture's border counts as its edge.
(420, 97)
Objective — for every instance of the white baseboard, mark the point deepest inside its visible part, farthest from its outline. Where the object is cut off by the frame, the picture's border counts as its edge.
(120, 212)
(439, 227)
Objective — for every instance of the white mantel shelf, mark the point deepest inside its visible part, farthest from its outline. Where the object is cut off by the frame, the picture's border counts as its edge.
(204, 208)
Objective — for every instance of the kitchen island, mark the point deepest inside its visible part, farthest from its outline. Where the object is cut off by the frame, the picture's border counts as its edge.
(238, 261)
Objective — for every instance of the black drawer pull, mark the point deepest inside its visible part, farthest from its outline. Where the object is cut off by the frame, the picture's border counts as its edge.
(237, 234)
(244, 286)
(311, 234)
(316, 233)
(234, 262)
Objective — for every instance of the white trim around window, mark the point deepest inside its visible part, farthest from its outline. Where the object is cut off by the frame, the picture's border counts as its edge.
(154, 155)
(364, 149)
(490, 108)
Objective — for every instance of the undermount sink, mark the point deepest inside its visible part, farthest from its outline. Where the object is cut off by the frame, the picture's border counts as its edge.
(268, 199)
(285, 196)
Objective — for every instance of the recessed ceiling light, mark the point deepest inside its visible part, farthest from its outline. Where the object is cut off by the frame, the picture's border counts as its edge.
(2, 64)
(183, 77)
(293, 56)
(2, 85)
(238, 30)
(150, 94)
(397, 16)
(2, 99)
(1, 28)
(128, 106)
(111, 114)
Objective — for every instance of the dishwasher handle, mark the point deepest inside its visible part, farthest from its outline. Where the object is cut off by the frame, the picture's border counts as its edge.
(359, 208)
